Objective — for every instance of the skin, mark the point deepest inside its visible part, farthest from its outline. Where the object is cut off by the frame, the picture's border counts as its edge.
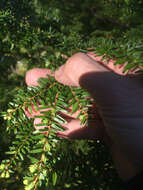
(118, 98)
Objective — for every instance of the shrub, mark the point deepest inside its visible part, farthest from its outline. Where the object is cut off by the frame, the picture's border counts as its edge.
(37, 33)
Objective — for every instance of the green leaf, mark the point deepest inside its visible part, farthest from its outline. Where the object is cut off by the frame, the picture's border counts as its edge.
(75, 108)
(38, 136)
(129, 66)
(33, 168)
(48, 147)
(34, 160)
(19, 136)
(21, 156)
(73, 101)
(54, 178)
(36, 151)
(30, 109)
(120, 61)
(39, 116)
(127, 1)
(83, 119)
(35, 105)
(40, 125)
(44, 107)
(20, 113)
(67, 185)
(23, 151)
(57, 126)
(59, 119)
(11, 152)
(70, 96)
(16, 142)
(60, 108)
(30, 186)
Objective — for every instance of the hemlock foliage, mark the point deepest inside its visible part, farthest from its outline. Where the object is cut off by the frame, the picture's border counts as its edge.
(40, 33)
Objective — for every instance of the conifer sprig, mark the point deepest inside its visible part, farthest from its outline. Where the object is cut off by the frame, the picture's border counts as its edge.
(53, 99)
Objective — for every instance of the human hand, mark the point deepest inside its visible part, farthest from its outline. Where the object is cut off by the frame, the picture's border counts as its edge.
(85, 63)
(119, 101)
(81, 63)
(118, 97)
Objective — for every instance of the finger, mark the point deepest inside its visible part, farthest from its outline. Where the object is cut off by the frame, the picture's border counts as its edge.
(110, 65)
(61, 77)
(33, 75)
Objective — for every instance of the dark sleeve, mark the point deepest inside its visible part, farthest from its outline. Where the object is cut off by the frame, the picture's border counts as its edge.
(135, 182)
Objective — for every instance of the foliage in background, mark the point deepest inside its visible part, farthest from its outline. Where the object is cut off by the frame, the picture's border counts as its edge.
(36, 33)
